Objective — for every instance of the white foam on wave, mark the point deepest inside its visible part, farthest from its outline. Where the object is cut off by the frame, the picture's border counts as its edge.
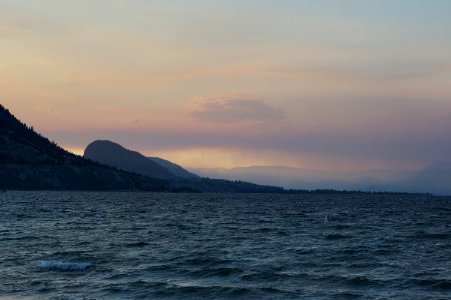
(64, 266)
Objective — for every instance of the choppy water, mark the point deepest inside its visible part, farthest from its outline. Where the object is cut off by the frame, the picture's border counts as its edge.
(197, 246)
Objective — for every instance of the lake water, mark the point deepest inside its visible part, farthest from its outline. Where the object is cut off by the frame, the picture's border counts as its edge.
(70, 245)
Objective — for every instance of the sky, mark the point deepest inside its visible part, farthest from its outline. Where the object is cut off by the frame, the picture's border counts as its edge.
(329, 85)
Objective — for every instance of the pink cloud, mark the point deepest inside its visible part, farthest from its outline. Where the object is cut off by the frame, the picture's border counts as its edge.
(235, 109)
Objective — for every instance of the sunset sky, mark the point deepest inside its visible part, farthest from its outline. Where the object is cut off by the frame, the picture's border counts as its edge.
(337, 84)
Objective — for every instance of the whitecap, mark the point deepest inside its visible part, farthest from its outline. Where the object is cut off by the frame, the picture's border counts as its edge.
(64, 266)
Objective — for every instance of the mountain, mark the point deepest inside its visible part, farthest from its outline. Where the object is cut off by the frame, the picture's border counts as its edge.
(30, 161)
(173, 168)
(298, 178)
(434, 178)
(115, 155)
(112, 154)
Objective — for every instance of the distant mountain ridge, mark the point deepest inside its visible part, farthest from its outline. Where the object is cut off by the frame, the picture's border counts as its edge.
(113, 154)
(434, 178)
(295, 178)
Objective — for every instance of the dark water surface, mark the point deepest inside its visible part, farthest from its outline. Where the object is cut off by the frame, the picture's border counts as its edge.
(70, 245)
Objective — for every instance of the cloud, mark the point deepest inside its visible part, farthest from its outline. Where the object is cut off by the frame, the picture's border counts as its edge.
(235, 109)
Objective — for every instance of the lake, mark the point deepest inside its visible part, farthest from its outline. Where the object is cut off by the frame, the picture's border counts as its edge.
(83, 245)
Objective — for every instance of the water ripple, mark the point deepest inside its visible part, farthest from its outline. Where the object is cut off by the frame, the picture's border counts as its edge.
(61, 245)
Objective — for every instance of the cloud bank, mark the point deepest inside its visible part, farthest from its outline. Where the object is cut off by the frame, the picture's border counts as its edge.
(235, 109)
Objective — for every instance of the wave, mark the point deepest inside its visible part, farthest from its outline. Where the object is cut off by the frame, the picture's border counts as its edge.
(431, 235)
(136, 245)
(433, 282)
(63, 266)
(335, 237)
(208, 272)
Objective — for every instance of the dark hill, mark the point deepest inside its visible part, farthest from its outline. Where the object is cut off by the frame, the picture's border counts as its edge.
(112, 154)
(30, 161)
